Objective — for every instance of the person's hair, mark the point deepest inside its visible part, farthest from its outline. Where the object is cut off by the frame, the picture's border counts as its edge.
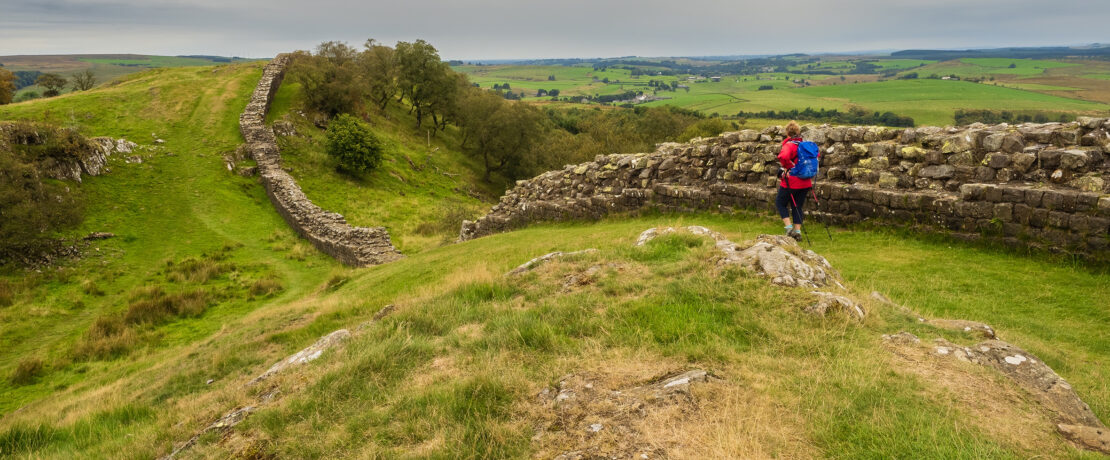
(793, 130)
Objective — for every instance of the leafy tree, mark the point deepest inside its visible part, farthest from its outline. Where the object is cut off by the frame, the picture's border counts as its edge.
(352, 143)
(500, 132)
(553, 93)
(84, 81)
(329, 78)
(424, 79)
(379, 65)
(7, 86)
(52, 82)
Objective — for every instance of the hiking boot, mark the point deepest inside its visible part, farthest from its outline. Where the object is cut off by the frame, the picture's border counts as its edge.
(793, 233)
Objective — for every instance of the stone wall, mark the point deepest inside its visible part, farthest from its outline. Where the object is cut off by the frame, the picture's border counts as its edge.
(328, 231)
(1038, 185)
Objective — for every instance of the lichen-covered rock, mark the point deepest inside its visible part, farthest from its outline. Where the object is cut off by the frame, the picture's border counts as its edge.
(828, 302)
(1090, 437)
(307, 355)
(786, 263)
(529, 265)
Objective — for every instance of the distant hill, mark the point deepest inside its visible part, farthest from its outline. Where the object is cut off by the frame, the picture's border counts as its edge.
(106, 67)
(1050, 52)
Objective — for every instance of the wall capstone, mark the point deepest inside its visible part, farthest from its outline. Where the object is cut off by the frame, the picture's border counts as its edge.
(1028, 185)
(328, 231)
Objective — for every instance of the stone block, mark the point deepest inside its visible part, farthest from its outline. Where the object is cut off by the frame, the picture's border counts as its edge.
(984, 174)
(1058, 219)
(1003, 211)
(1049, 158)
(1073, 160)
(1034, 197)
(1021, 162)
(961, 159)
(1038, 218)
(1021, 213)
(998, 160)
(938, 172)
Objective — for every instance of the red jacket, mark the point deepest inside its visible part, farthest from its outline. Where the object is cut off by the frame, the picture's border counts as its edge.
(788, 156)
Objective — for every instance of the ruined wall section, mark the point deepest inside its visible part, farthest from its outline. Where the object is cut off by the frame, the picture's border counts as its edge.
(1038, 185)
(328, 231)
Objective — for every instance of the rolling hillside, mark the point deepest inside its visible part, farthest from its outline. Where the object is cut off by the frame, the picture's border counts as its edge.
(448, 357)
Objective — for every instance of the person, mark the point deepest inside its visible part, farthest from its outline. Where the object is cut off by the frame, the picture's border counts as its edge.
(792, 190)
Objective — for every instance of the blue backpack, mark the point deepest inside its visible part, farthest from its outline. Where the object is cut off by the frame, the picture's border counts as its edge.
(806, 166)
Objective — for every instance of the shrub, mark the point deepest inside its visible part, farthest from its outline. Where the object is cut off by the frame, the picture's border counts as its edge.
(28, 370)
(352, 144)
(154, 306)
(107, 337)
(7, 293)
(265, 287)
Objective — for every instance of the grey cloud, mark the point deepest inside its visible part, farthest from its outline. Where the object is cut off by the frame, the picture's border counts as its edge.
(511, 29)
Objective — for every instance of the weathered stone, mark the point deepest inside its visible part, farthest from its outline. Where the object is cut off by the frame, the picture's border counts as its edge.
(1073, 160)
(827, 302)
(1095, 438)
(1021, 162)
(305, 356)
(938, 172)
(531, 264)
(998, 160)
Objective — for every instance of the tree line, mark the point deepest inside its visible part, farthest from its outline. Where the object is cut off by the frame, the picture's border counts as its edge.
(511, 139)
(53, 84)
(993, 117)
(854, 116)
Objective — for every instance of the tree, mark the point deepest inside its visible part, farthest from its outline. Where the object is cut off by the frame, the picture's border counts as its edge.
(352, 143)
(329, 79)
(423, 78)
(379, 63)
(7, 86)
(553, 93)
(500, 132)
(84, 81)
(52, 82)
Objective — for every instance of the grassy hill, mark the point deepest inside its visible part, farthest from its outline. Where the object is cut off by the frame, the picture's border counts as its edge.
(106, 67)
(152, 336)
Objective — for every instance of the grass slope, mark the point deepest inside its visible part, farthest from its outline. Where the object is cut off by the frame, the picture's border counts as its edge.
(453, 373)
(420, 193)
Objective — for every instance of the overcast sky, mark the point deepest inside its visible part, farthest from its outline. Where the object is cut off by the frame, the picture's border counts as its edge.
(502, 29)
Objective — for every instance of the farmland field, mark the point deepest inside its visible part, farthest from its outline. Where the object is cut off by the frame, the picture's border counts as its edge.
(1019, 85)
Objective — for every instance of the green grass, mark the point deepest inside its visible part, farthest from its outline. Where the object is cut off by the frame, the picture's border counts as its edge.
(455, 370)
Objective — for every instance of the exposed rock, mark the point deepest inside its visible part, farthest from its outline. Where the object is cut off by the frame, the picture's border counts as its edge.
(973, 327)
(222, 425)
(1093, 438)
(781, 258)
(304, 356)
(588, 417)
(529, 265)
(827, 302)
(99, 236)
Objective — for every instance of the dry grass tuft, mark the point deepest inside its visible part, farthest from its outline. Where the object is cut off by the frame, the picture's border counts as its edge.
(28, 370)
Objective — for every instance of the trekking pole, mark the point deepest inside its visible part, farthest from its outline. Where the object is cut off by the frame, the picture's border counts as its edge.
(817, 204)
(796, 208)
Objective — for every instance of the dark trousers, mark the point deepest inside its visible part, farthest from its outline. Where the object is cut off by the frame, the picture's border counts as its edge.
(794, 198)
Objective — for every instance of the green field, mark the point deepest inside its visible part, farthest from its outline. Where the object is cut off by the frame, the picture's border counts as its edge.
(927, 101)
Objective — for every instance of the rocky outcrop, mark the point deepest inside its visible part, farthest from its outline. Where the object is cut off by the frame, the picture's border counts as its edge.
(529, 265)
(589, 415)
(328, 231)
(783, 261)
(307, 355)
(79, 156)
(1036, 185)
